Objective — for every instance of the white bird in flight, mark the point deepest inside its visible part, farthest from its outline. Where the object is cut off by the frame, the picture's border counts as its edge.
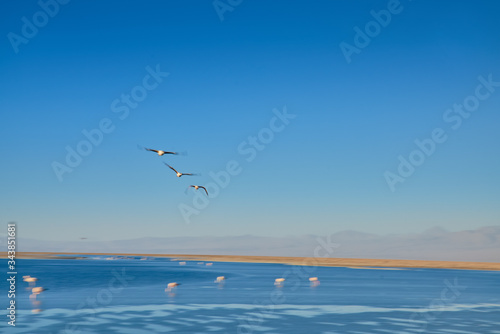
(178, 174)
(198, 187)
(160, 152)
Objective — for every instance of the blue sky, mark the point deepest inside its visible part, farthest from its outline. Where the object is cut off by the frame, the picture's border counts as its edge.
(324, 172)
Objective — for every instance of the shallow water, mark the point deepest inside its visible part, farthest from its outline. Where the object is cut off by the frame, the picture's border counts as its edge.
(128, 296)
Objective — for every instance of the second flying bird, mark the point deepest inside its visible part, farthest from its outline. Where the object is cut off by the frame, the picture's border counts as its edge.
(178, 174)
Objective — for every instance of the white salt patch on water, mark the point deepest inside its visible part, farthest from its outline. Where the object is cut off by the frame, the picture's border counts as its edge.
(303, 313)
(209, 318)
(407, 324)
(198, 321)
(110, 316)
(91, 322)
(125, 330)
(214, 328)
(261, 328)
(456, 331)
(159, 310)
(486, 321)
(62, 317)
(217, 318)
(368, 323)
(269, 315)
(160, 313)
(330, 323)
(183, 323)
(394, 319)
(158, 328)
(412, 321)
(35, 326)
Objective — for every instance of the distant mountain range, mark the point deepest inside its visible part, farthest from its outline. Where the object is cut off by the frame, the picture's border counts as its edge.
(482, 244)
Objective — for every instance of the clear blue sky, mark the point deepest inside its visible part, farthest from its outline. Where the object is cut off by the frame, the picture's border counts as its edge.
(323, 173)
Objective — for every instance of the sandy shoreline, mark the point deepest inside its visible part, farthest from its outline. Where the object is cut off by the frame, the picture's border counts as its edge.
(329, 262)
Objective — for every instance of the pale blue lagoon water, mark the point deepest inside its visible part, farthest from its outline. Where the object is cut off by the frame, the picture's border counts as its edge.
(128, 296)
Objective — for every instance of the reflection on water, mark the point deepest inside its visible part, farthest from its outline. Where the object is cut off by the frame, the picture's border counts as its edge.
(35, 292)
(133, 296)
(237, 318)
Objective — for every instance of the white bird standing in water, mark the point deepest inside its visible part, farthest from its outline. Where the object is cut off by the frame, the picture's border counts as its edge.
(30, 280)
(314, 281)
(220, 279)
(279, 282)
(36, 291)
(198, 187)
(176, 172)
(171, 286)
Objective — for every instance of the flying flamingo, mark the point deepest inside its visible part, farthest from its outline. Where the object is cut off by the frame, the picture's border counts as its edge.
(198, 187)
(160, 152)
(178, 174)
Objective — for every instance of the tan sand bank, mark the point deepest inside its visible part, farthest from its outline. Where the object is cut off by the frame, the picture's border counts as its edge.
(311, 261)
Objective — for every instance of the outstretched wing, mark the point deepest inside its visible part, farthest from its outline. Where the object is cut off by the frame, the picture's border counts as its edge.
(204, 189)
(172, 168)
(150, 149)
